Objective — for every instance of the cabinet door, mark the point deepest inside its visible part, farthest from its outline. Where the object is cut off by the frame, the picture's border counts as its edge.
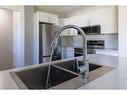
(71, 31)
(43, 17)
(107, 18)
(65, 32)
(48, 18)
(53, 19)
(109, 22)
(63, 23)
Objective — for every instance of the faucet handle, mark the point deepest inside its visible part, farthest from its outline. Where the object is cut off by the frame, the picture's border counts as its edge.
(82, 69)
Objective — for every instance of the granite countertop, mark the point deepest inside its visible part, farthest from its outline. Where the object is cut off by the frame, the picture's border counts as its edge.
(115, 79)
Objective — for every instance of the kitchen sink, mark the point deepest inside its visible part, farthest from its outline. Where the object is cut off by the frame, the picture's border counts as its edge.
(36, 78)
(72, 66)
(63, 75)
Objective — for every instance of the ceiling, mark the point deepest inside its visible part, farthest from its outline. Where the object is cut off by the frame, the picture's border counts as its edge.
(62, 11)
(69, 10)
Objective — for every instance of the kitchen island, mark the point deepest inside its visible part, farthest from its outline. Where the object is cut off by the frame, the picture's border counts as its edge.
(115, 79)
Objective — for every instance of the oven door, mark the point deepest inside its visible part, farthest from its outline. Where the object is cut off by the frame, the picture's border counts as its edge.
(78, 54)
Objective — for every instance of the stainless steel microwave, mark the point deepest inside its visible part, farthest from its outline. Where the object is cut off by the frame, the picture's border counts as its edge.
(91, 30)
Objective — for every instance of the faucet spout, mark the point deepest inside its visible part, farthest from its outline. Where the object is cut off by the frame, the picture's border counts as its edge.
(54, 43)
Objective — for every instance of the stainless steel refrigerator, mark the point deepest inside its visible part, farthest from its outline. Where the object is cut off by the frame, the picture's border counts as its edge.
(46, 33)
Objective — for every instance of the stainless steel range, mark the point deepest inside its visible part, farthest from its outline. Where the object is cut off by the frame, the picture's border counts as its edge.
(91, 46)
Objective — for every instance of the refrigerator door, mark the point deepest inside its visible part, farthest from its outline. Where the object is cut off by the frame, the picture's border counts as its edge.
(46, 34)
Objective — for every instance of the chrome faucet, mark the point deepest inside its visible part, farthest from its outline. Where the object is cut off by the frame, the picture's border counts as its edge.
(84, 69)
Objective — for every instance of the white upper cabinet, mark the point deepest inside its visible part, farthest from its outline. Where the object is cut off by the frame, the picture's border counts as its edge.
(68, 32)
(63, 22)
(47, 17)
(106, 17)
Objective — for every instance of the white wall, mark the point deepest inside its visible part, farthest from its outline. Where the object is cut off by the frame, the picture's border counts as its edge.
(36, 38)
(19, 9)
(122, 28)
(26, 34)
(16, 40)
(6, 39)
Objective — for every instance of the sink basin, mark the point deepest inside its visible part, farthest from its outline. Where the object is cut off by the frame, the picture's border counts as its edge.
(36, 78)
(72, 66)
(63, 75)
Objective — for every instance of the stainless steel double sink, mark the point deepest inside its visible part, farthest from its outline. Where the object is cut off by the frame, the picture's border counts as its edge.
(63, 75)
